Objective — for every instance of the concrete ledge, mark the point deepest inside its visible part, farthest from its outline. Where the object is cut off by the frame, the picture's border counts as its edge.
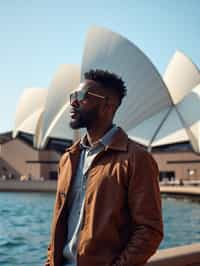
(188, 255)
(50, 186)
(180, 190)
(28, 186)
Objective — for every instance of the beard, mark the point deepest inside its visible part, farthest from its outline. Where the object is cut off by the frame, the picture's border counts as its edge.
(84, 119)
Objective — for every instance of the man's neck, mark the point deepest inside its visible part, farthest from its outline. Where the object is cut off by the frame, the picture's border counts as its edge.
(93, 135)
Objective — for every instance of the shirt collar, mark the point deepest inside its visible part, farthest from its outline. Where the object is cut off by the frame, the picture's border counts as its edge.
(105, 140)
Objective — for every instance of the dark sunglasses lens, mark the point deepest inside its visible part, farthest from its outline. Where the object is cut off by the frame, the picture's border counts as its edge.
(77, 96)
(80, 95)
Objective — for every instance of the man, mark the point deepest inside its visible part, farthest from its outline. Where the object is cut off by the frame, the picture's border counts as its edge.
(107, 210)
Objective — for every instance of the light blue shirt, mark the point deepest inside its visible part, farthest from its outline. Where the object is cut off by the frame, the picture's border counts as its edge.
(77, 194)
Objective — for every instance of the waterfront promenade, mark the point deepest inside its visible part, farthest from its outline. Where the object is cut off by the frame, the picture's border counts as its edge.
(28, 186)
(188, 255)
(186, 190)
(50, 186)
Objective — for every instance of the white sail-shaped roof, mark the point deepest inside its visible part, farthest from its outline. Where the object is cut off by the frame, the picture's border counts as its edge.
(154, 112)
(29, 109)
(54, 122)
(182, 122)
(147, 94)
(145, 131)
(171, 131)
(181, 76)
(189, 111)
(60, 126)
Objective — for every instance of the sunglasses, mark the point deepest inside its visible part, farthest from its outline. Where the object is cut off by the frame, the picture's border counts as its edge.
(81, 95)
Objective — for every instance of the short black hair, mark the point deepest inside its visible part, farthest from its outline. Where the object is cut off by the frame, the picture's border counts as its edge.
(108, 80)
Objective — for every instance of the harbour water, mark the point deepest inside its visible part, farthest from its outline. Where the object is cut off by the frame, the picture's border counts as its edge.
(25, 220)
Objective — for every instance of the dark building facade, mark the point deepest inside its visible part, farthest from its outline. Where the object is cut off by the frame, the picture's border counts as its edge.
(18, 158)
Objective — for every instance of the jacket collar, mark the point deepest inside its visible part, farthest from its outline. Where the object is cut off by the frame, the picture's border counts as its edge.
(119, 142)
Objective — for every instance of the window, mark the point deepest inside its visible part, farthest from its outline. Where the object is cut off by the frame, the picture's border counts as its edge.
(167, 175)
(53, 175)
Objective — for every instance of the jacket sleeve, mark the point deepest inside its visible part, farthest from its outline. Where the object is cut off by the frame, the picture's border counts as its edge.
(145, 210)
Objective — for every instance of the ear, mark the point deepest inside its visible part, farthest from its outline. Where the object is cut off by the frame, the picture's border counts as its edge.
(107, 111)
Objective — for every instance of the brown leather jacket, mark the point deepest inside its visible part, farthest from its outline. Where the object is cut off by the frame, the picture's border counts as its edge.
(122, 224)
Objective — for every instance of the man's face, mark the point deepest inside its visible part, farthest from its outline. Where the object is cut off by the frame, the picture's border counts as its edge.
(85, 105)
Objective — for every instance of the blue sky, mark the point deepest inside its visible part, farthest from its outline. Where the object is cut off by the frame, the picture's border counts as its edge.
(37, 36)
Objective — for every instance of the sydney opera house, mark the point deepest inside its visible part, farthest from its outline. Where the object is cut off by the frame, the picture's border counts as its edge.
(161, 113)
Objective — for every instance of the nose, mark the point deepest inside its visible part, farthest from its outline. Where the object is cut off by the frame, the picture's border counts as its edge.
(74, 103)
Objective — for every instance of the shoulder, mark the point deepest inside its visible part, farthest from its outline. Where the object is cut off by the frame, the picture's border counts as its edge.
(64, 157)
(140, 155)
(136, 149)
(135, 146)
